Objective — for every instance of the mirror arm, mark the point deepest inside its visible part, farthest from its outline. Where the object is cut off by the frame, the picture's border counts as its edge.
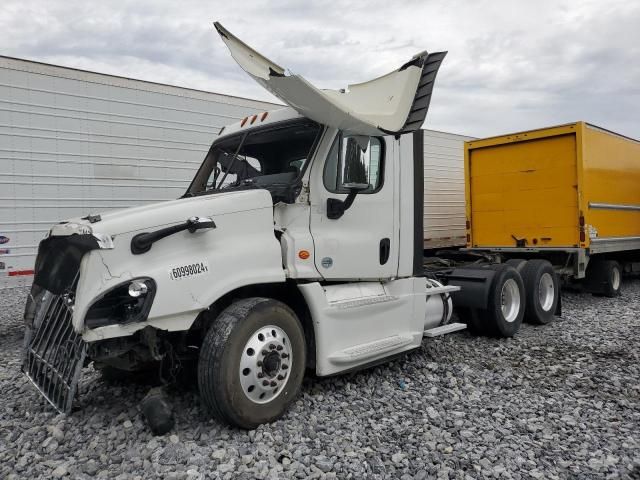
(350, 198)
(337, 207)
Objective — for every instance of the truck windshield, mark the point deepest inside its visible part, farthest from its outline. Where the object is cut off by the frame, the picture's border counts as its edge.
(272, 157)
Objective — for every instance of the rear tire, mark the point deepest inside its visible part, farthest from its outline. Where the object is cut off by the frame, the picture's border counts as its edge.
(505, 308)
(517, 263)
(252, 362)
(604, 277)
(541, 290)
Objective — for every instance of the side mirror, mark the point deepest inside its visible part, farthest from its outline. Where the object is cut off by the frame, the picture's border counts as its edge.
(337, 207)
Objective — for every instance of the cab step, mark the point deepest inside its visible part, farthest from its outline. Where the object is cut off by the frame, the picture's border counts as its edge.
(444, 329)
(372, 349)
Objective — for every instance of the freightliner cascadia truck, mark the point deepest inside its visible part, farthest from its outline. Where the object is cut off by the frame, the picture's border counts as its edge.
(569, 194)
(298, 245)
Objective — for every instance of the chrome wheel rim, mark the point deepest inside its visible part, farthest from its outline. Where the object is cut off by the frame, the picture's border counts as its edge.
(546, 291)
(615, 280)
(265, 364)
(510, 296)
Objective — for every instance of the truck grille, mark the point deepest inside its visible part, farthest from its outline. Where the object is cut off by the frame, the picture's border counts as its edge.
(54, 353)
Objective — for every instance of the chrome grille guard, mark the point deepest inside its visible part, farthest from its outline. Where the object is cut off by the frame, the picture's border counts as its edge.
(54, 352)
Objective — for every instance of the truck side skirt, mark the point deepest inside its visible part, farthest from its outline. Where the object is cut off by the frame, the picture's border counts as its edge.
(356, 324)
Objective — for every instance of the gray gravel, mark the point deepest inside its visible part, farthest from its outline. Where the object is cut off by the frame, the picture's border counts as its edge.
(561, 401)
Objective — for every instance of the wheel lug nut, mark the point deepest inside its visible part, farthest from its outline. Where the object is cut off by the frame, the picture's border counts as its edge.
(280, 377)
(285, 355)
(285, 366)
(274, 383)
(279, 347)
(272, 346)
(265, 383)
(260, 374)
(259, 363)
(264, 352)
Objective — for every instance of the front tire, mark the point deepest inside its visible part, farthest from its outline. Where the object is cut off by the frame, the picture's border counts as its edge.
(252, 362)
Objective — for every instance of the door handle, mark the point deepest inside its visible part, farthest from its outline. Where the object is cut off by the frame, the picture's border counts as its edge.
(200, 223)
(385, 250)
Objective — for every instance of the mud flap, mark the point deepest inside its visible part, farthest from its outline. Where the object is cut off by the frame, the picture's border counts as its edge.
(474, 284)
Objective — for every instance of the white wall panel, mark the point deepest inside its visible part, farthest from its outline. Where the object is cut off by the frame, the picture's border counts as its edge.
(75, 142)
(444, 205)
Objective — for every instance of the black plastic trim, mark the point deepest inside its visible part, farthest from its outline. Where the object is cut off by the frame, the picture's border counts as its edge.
(418, 201)
(422, 99)
(140, 317)
(385, 250)
(58, 260)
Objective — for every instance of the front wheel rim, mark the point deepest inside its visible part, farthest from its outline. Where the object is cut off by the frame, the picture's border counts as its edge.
(510, 299)
(546, 291)
(265, 364)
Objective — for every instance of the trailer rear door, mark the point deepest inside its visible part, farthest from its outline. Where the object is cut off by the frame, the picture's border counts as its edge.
(523, 191)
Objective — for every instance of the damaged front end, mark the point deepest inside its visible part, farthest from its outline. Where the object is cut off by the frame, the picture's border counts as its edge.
(54, 353)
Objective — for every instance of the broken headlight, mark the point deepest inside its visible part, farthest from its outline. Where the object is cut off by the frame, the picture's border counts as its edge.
(128, 302)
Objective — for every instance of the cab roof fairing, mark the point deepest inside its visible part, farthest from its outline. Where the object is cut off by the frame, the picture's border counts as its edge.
(392, 104)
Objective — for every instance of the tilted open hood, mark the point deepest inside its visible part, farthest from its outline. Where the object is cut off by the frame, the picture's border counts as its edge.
(394, 103)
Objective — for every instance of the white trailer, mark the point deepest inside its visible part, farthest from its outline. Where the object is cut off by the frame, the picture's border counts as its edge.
(74, 142)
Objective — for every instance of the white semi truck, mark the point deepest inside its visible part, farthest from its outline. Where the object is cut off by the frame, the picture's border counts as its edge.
(298, 244)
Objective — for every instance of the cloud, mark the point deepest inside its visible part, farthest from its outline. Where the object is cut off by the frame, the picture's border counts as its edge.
(511, 65)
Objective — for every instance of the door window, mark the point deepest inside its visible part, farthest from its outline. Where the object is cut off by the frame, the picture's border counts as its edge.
(354, 159)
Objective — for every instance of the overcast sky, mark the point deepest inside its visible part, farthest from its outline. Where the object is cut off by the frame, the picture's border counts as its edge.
(512, 65)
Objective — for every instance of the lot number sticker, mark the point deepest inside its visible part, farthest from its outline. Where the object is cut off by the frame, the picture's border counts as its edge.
(189, 270)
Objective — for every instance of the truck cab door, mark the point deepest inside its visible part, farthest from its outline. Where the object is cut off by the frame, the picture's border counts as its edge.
(361, 240)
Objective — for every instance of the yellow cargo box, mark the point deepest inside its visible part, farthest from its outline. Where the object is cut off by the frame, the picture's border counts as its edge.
(570, 186)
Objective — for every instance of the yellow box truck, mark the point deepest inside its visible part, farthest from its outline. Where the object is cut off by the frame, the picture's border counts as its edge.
(569, 194)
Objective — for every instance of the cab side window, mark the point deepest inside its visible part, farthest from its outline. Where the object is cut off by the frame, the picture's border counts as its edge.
(354, 159)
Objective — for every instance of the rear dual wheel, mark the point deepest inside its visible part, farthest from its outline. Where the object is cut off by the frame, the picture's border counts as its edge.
(252, 362)
(505, 305)
(604, 277)
(520, 290)
(505, 311)
(542, 291)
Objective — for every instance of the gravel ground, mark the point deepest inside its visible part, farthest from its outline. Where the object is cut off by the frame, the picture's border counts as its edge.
(561, 401)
